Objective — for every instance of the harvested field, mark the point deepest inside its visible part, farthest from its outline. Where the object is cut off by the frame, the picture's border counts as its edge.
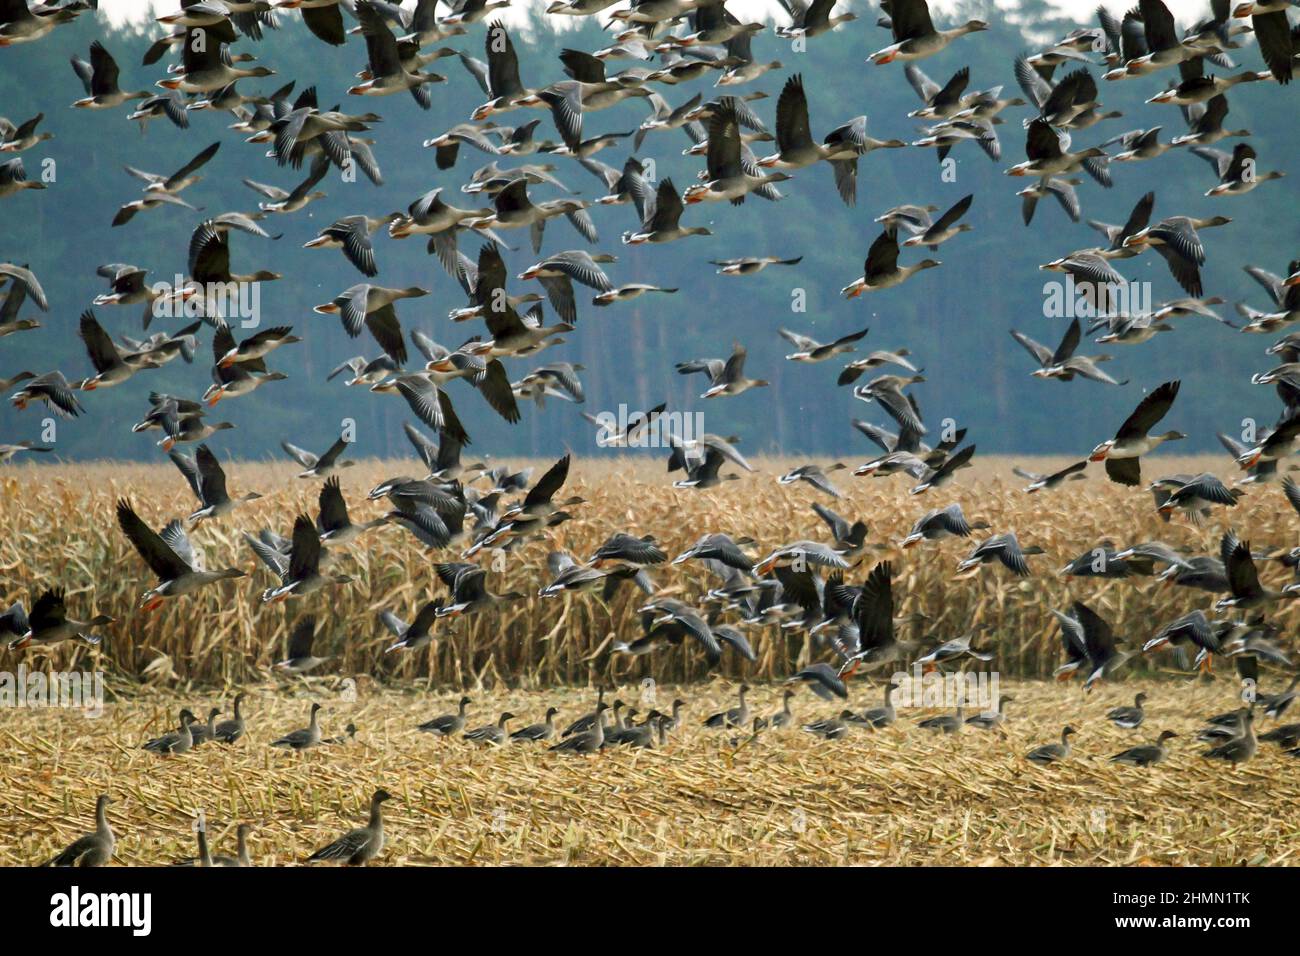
(897, 796)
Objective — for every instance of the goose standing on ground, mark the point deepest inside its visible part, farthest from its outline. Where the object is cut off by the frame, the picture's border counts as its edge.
(831, 728)
(1052, 753)
(360, 846)
(170, 556)
(737, 716)
(1239, 749)
(93, 849)
(49, 623)
(304, 738)
(991, 719)
(229, 731)
(543, 731)
(447, 725)
(1146, 755)
(1129, 718)
(588, 739)
(1122, 452)
(491, 733)
(952, 723)
(176, 741)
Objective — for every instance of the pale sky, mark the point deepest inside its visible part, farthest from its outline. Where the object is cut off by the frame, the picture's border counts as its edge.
(1184, 11)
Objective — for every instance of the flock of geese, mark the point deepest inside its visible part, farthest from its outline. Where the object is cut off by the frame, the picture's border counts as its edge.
(215, 52)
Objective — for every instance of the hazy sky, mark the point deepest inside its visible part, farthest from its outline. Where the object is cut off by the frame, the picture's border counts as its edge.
(1185, 11)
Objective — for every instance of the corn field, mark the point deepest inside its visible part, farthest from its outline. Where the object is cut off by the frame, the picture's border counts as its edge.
(57, 528)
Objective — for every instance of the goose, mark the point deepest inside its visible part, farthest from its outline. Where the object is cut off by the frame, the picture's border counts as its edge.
(205, 858)
(1237, 172)
(388, 73)
(751, 265)
(953, 650)
(815, 476)
(287, 201)
(1239, 749)
(207, 66)
(358, 847)
(914, 34)
(1039, 482)
(831, 728)
(1090, 643)
(15, 139)
(1048, 154)
(737, 716)
(1198, 89)
(822, 680)
(499, 77)
(1128, 718)
(727, 377)
(512, 209)
(333, 522)
(952, 723)
(468, 585)
(23, 25)
(1205, 123)
(93, 849)
(1121, 453)
(1274, 33)
(543, 731)
(810, 350)
(1063, 364)
(945, 227)
(1177, 241)
(8, 451)
(170, 555)
(795, 145)
(587, 739)
(229, 731)
(810, 19)
(1004, 548)
(303, 739)
(938, 524)
(177, 741)
(629, 291)
(207, 480)
(1193, 495)
(1052, 753)
(661, 222)
(1243, 578)
(1146, 755)
(558, 272)
(352, 235)
(299, 571)
(882, 270)
(99, 77)
(258, 345)
(319, 466)
(726, 176)
(491, 733)
(937, 477)
(884, 715)
(1062, 187)
(447, 725)
(49, 623)
(300, 657)
(1137, 145)
(991, 719)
